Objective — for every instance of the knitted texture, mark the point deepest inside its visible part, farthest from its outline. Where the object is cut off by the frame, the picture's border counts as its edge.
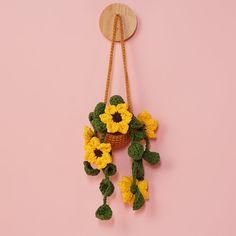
(135, 123)
(106, 187)
(91, 116)
(110, 121)
(138, 200)
(136, 150)
(114, 126)
(116, 118)
(151, 157)
(130, 187)
(89, 169)
(98, 153)
(104, 212)
(138, 170)
(116, 99)
(109, 170)
(98, 125)
(99, 109)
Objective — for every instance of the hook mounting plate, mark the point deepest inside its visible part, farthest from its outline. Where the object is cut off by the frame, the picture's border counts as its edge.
(107, 19)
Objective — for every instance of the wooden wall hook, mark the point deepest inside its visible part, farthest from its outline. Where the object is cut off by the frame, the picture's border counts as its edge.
(107, 19)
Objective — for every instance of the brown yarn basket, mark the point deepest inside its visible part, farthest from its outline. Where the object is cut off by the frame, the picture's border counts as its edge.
(117, 140)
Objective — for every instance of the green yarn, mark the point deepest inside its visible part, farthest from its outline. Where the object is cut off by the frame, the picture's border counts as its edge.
(151, 157)
(104, 212)
(99, 126)
(99, 109)
(147, 143)
(106, 187)
(109, 170)
(116, 99)
(135, 123)
(133, 188)
(91, 115)
(89, 169)
(137, 135)
(135, 150)
(138, 200)
(138, 170)
(103, 136)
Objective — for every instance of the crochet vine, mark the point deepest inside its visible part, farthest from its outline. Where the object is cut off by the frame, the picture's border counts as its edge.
(116, 119)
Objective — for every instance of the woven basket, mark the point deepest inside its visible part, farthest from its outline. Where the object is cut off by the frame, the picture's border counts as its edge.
(118, 140)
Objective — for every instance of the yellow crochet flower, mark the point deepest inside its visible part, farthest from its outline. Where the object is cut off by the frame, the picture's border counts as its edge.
(116, 118)
(88, 134)
(151, 125)
(98, 153)
(127, 195)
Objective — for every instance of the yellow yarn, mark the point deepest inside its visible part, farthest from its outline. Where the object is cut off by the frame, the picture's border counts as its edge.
(151, 125)
(98, 153)
(88, 134)
(116, 118)
(127, 195)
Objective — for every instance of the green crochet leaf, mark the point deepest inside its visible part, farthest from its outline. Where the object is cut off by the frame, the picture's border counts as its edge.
(116, 99)
(138, 170)
(91, 115)
(98, 125)
(135, 123)
(106, 187)
(137, 135)
(138, 200)
(136, 150)
(151, 157)
(133, 188)
(104, 212)
(89, 169)
(109, 170)
(99, 109)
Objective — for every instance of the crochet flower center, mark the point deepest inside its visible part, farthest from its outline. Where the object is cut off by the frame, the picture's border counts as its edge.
(117, 117)
(98, 153)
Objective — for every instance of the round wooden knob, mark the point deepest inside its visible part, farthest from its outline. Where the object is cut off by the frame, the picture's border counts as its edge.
(107, 19)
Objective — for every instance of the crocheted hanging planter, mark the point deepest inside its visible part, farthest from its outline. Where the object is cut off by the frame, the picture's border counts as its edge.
(115, 126)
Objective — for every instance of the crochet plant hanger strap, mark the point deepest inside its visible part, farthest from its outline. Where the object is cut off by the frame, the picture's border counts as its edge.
(115, 126)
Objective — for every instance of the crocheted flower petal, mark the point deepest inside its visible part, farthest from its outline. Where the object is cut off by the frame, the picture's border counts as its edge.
(125, 183)
(126, 116)
(88, 147)
(105, 118)
(94, 142)
(152, 124)
(110, 109)
(105, 147)
(112, 127)
(122, 107)
(128, 198)
(144, 116)
(150, 133)
(107, 157)
(90, 157)
(102, 162)
(143, 186)
(124, 186)
(145, 194)
(123, 127)
(88, 134)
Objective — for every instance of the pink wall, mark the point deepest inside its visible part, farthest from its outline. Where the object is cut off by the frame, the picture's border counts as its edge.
(53, 63)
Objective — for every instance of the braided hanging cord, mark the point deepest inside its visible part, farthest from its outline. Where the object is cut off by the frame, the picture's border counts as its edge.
(122, 41)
